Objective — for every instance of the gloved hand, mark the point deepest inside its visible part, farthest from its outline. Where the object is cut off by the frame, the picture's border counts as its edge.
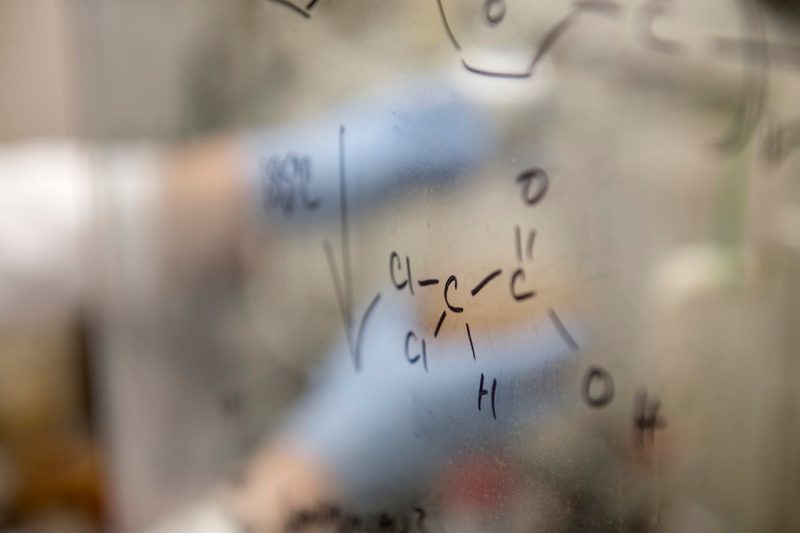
(423, 132)
(391, 427)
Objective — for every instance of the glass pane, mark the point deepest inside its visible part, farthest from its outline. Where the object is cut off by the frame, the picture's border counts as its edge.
(445, 266)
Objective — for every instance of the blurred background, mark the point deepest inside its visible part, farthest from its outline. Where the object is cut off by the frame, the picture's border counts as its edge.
(170, 310)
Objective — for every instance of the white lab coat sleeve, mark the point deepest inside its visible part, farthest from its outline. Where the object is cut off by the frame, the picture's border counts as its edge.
(49, 199)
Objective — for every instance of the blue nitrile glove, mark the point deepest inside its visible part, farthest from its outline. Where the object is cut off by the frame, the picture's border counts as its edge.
(390, 427)
(423, 132)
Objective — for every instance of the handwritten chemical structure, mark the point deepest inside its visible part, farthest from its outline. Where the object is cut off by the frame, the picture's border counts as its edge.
(287, 186)
(752, 49)
(535, 178)
(645, 16)
(494, 13)
(289, 177)
(534, 183)
(591, 395)
(646, 418)
(597, 391)
(302, 9)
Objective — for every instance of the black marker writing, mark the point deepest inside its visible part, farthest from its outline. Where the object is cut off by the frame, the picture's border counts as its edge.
(439, 323)
(494, 11)
(562, 330)
(454, 282)
(485, 281)
(297, 9)
(781, 140)
(423, 355)
(534, 183)
(592, 396)
(647, 14)
(471, 345)
(449, 31)
(286, 184)
(342, 282)
(646, 419)
(394, 259)
(327, 516)
(361, 328)
(529, 245)
(754, 50)
(518, 275)
(483, 392)
(754, 82)
(598, 7)
(421, 519)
